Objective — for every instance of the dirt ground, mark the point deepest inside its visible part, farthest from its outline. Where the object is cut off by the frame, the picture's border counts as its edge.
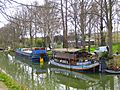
(3, 86)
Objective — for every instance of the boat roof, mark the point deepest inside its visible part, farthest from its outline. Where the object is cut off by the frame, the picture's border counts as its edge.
(65, 50)
(65, 56)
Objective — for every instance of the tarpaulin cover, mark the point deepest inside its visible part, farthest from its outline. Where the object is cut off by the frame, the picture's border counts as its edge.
(38, 51)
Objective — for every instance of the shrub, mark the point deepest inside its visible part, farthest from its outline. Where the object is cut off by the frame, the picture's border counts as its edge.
(118, 49)
(39, 43)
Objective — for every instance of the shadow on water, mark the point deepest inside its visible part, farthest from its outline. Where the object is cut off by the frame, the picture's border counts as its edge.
(45, 77)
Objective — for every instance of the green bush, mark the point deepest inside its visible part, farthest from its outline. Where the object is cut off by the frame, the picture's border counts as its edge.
(104, 54)
(39, 43)
(118, 48)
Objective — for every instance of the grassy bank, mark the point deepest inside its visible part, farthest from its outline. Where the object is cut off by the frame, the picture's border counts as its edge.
(10, 83)
(115, 47)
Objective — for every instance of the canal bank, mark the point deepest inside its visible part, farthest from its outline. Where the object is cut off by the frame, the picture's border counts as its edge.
(3, 86)
(7, 83)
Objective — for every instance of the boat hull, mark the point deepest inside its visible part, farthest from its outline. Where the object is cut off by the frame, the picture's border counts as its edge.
(89, 67)
(112, 71)
(23, 54)
(33, 55)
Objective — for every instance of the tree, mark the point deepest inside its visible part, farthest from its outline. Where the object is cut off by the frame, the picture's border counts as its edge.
(64, 24)
(108, 12)
(73, 15)
(82, 22)
(101, 24)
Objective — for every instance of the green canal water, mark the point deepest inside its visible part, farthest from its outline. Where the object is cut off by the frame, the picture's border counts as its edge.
(45, 77)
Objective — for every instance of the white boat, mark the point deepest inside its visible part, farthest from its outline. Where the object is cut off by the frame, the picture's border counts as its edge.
(112, 71)
(24, 51)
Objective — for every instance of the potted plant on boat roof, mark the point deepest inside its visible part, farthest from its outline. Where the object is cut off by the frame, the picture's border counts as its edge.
(114, 64)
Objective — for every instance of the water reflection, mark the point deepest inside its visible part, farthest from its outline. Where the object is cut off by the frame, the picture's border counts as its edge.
(23, 71)
(37, 77)
(70, 80)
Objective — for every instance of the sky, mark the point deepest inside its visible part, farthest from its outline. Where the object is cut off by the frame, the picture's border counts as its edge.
(29, 1)
(3, 21)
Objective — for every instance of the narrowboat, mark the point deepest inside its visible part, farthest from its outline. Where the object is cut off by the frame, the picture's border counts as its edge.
(74, 60)
(35, 54)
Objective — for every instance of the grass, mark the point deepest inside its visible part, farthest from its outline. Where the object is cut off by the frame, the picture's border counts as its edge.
(49, 53)
(115, 47)
(10, 83)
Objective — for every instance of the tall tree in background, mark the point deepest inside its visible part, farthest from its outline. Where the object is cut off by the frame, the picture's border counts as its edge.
(47, 18)
(108, 12)
(53, 22)
(101, 24)
(82, 22)
(75, 13)
(64, 24)
(35, 20)
(30, 25)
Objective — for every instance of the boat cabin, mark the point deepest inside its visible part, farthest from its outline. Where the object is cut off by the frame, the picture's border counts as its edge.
(66, 56)
(71, 56)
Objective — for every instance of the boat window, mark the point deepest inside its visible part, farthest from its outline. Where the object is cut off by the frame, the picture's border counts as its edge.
(64, 61)
(56, 60)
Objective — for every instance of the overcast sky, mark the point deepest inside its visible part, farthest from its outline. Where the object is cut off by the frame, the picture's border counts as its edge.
(29, 1)
(4, 21)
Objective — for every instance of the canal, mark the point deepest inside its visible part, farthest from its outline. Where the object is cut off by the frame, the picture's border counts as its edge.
(46, 77)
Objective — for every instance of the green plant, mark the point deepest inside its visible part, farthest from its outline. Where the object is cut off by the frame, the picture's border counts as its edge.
(10, 83)
(49, 53)
(39, 42)
(114, 63)
(104, 54)
(118, 49)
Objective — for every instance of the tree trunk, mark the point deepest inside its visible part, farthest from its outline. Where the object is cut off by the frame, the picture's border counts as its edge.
(35, 30)
(89, 36)
(75, 20)
(82, 24)
(109, 24)
(101, 26)
(110, 29)
(31, 37)
(63, 24)
(66, 41)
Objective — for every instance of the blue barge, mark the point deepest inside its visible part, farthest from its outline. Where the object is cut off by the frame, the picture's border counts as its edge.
(34, 54)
